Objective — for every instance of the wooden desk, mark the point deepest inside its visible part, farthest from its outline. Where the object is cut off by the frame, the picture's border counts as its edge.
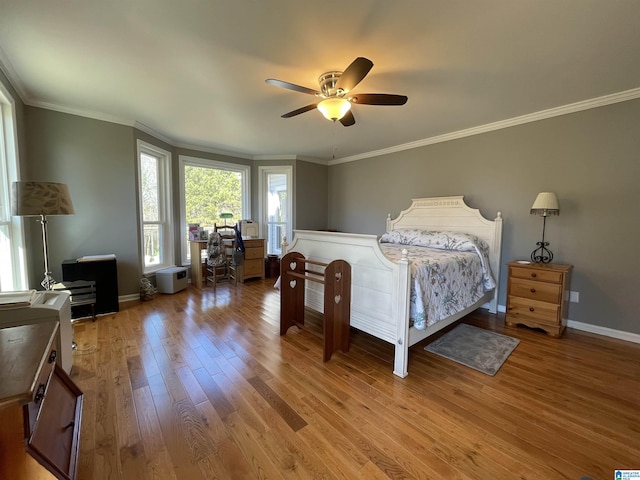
(196, 247)
(251, 267)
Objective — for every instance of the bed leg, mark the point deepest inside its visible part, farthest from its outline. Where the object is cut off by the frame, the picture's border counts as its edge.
(400, 361)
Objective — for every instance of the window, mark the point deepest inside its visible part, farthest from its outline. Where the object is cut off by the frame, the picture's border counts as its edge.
(13, 266)
(276, 206)
(209, 188)
(154, 191)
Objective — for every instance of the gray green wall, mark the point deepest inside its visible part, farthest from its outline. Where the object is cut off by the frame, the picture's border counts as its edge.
(591, 159)
(311, 196)
(97, 160)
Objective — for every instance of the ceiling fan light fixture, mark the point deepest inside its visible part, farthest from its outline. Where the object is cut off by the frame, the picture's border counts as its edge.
(334, 108)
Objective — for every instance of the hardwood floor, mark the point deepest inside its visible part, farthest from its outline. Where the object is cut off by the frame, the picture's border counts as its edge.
(200, 385)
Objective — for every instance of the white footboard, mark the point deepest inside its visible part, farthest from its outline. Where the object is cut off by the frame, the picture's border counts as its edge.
(379, 287)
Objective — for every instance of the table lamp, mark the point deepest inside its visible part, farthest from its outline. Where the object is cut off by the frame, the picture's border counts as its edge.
(546, 203)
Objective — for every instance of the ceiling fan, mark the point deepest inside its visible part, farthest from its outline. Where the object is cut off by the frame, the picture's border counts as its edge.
(335, 97)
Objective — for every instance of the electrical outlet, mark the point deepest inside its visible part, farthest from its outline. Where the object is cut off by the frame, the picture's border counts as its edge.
(574, 297)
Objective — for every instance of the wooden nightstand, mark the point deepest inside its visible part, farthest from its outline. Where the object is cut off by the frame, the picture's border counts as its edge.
(253, 263)
(537, 296)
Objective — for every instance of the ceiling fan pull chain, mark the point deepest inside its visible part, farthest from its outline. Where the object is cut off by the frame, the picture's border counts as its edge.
(333, 156)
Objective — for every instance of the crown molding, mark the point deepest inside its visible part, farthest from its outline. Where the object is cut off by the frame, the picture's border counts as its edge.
(12, 76)
(275, 157)
(215, 151)
(511, 122)
(319, 161)
(154, 133)
(82, 113)
(632, 94)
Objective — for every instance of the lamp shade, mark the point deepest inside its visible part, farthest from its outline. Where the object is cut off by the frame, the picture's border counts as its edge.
(334, 108)
(546, 203)
(41, 198)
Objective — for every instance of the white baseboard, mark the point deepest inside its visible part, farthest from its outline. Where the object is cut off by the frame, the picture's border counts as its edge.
(128, 298)
(597, 329)
(607, 332)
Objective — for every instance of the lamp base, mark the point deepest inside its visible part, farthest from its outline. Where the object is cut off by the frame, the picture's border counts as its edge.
(48, 282)
(542, 254)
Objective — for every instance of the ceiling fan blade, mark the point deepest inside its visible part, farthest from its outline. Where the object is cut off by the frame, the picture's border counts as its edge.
(291, 86)
(348, 119)
(378, 99)
(300, 110)
(354, 74)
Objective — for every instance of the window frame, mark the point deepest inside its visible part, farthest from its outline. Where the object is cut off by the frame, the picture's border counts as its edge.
(186, 160)
(263, 171)
(14, 272)
(165, 216)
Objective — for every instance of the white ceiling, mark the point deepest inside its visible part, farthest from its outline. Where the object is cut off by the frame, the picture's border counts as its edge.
(193, 71)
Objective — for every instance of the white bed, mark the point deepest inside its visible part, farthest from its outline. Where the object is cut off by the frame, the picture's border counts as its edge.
(380, 288)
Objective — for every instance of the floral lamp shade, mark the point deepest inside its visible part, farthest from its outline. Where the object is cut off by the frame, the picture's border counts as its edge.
(41, 198)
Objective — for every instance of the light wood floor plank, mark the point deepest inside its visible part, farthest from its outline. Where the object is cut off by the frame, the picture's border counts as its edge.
(184, 464)
(232, 462)
(157, 458)
(200, 385)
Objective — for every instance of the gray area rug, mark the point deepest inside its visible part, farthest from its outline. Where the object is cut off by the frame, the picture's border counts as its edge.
(474, 347)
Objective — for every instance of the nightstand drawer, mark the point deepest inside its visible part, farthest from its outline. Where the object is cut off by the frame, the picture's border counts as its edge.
(520, 309)
(253, 243)
(537, 275)
(543, 292)
(252, 267)
(253, 253)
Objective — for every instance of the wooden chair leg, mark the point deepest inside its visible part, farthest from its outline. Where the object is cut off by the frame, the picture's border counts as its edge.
(205, 271)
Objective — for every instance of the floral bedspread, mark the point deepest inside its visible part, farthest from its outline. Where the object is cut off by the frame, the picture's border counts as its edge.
(446, 277)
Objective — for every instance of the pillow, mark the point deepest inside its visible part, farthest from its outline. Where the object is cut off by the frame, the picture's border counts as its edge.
(462, 242)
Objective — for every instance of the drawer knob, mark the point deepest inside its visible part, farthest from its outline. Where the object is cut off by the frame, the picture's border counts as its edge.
(52, 357)
(533, 290)
(71, 424)
(534, 275)
(40, 393)
(531, 309)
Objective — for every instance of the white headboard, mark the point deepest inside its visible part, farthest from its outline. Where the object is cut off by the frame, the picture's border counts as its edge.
(453, 215)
